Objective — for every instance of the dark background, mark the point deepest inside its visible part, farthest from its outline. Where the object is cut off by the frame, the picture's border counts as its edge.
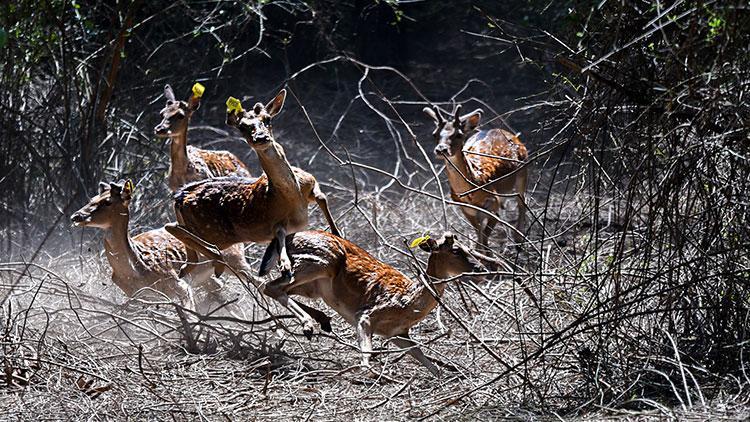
(84, 83)
(634, 112)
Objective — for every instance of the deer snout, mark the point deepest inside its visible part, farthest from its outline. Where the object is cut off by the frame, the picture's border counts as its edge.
(79, 217)
(478, 268)
(161, 129)
(442, 150)
(261, 138)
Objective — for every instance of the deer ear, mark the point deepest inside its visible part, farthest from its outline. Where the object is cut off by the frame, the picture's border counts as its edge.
(274, 106)
(471, 120)
(431, 113)
(234, 111)
(169, 93)
(448, 239)
(103, 187)
(233, 119)
(115, 188)
(428, 245)
(194, 103)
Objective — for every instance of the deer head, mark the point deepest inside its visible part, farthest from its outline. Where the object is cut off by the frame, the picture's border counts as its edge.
(449, 258)
(450, 134)
(255, 124)
(176, 114)
(109, 204)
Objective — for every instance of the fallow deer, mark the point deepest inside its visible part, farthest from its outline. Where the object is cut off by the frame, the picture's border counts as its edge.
(152, 259)
(148, 260)
(187, 163)
(370, 295)
(215, 213)
(487, 163)
(190, 164)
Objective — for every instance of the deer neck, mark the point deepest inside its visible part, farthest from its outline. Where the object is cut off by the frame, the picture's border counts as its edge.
(178, 154)
(421, 296)
(461, 174)
(281, 177)
(433, 272)
(122, 256)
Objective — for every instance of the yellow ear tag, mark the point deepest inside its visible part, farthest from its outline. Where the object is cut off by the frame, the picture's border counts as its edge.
(198, 90)
(234, 105)
(418, 241)
(129, 186)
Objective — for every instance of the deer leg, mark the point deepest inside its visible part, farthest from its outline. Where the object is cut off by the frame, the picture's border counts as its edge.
(234, 258)
(193, 244)
(487, 231)
(190, 263)
(320, 317)
(364, 336)
(521, 180)
(276, 290)
(403, 341)
(473, 218)
(276, 252)
(322, 200)
(285, 264)
(185, 294)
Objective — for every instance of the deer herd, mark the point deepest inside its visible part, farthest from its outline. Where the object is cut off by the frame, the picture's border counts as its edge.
(220, 207)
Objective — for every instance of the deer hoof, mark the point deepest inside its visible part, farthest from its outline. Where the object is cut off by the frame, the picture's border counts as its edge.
(325, 325)
(285, 266)
(183, 271)
(308, 330)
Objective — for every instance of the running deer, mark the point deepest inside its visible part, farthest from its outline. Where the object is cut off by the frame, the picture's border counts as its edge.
(214, 214)
(189, 164)
(487, 163)
(372, 296)
(152, 259)
(148, 260)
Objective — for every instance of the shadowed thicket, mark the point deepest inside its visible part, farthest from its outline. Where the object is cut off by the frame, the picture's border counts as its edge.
(629, 292)
(652, 101)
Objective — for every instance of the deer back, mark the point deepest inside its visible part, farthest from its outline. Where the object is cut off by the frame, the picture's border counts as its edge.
(160, 252)
(229, 210)
(496, 143)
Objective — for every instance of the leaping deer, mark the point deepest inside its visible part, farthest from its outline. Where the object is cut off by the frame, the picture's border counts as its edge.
(491, 159)
(370, 295)
(190, 164)
(215, 213)
(147, 260)
(152, 259)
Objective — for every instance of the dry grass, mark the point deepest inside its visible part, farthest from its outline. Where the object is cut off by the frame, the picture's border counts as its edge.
(66, 325)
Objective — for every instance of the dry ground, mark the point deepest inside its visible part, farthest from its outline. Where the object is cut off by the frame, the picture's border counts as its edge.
(74, 348)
